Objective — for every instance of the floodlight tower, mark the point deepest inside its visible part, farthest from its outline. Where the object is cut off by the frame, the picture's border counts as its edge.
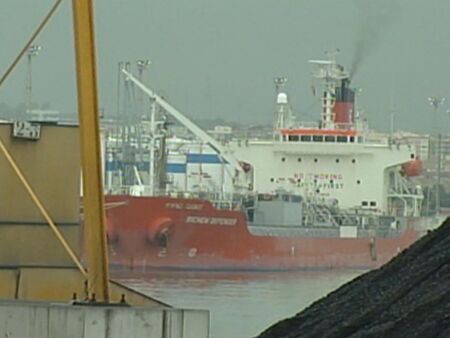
(33, 50)
(436, 102)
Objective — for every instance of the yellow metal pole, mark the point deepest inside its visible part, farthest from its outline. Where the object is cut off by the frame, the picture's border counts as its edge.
(94, 217)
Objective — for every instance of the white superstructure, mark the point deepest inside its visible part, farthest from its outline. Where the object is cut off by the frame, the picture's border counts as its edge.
(336, 162)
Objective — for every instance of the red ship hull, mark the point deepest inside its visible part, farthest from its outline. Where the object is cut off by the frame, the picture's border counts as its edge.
(165, 232)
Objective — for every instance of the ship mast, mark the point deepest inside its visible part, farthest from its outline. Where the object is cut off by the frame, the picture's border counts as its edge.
(94, 217)
(331, 75)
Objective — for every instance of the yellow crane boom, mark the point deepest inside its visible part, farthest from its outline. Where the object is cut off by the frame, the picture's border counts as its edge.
(94, 217)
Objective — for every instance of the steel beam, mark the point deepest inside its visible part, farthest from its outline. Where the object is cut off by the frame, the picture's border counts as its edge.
(94, 217)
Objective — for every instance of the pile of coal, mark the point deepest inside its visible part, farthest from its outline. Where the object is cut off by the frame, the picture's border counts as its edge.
(407, 297)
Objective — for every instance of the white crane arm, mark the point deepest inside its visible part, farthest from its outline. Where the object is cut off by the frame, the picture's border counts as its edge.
(196, 130)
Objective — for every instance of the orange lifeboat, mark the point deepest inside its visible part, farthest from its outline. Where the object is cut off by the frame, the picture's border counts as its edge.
(412, 168)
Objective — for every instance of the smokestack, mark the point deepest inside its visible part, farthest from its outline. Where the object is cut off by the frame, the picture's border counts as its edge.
(343, 109)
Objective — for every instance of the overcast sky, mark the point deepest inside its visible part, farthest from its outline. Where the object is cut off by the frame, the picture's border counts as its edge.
(214, 58)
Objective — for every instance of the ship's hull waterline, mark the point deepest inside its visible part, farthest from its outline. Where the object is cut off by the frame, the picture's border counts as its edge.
(179, 233)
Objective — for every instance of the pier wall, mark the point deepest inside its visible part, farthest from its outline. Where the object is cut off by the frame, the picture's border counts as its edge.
(50, 320)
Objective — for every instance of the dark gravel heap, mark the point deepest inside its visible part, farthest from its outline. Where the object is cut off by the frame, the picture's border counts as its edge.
(407, 297)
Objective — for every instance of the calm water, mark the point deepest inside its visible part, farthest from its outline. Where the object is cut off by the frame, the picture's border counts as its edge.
(241, 305)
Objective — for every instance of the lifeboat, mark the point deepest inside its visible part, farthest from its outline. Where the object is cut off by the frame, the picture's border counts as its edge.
(412, 168)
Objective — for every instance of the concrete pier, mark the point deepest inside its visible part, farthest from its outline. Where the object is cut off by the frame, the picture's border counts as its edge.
(23, 319)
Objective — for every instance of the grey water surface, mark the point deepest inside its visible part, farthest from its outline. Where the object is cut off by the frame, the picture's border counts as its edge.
(241, 304)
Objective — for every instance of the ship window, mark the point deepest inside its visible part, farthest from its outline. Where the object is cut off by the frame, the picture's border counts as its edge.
(305, 138)
(299, 180)
(352, 139)
(360, 139)
(283, 159)
(316, 160)
(293, 138)
(358, 182)
(341, 139)
(285, 198)
(296, 199)
(330, 138)
(412, 156)
(317, 138)
(299, 159)
(353, 161)
(271, 180)
(337, 160)
(364, 203)
(373, 203)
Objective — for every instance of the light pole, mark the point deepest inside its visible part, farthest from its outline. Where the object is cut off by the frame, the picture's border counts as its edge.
(436, 102)
(32, 51)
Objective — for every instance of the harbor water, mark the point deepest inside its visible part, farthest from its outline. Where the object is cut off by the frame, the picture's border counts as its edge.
(241, 304)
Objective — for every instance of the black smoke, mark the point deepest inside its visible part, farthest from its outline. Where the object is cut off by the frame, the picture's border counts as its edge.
(375, 18)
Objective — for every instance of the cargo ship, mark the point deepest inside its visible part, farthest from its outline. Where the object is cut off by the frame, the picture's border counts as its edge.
(330, 194)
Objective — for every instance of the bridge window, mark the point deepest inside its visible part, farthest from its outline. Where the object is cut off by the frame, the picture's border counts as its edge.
(317, 138)
(330, 138)
(293, 138)
(342, 139)
(373, 203)
(352, 139)
(305, 138)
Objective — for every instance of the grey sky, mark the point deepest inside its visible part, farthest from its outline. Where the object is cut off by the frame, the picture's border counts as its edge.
(216, 58)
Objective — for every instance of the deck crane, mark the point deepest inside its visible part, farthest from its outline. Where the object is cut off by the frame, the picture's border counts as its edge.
(225, 155)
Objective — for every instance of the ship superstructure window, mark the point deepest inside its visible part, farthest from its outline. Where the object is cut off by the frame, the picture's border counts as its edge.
(412, 156)
(337, 160)
(305, 138)
(353, 161)
(358, 182)
(316, 160)
(317, 138)
(283, 159)
(365, 203)
(293, 138)
(330, 138)
(342, 139)
(299, 159)
(373, 203)
(360, 139)
(352, 139)
(271, 180)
